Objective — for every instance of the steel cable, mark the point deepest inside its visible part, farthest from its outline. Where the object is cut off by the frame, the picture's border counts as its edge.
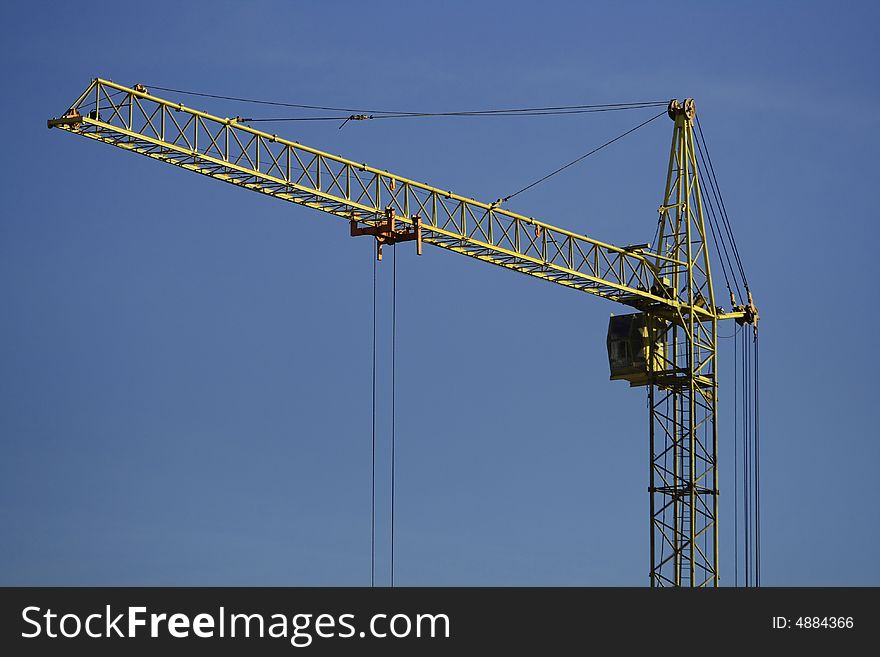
(373, 471)
(582, 157)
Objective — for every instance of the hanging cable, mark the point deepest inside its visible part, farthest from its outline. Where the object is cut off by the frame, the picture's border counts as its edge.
(757, 473)
(751, 455)
(746, 479)
(735, 470)
(373, 465)
(393, 391)
(581, 158)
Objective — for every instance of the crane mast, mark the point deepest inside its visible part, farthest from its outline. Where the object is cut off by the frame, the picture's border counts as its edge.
(683, 382)
(668, 345)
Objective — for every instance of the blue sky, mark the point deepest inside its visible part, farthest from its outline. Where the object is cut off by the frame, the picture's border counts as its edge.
(186, 367)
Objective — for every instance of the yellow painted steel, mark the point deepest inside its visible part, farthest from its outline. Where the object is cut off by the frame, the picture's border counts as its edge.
(683, 389)
(227, 150)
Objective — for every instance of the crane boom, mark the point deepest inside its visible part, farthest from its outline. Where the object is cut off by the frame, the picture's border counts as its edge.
(669, 346)
(225, 149)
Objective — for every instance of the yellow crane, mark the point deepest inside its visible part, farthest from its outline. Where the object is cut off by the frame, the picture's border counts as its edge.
(667, 345)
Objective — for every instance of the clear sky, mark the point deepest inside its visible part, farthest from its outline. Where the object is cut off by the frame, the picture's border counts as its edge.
(185, 367)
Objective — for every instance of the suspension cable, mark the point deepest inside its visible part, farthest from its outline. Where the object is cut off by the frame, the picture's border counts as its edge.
(751, 460)
(416, 115)
(393, 392)
(735, 468)
(373, 475)
(274, 103)
(746, 452)
(717, 234)
(703, 153)
(402, 113)
(724, 215)
(582, 157)
(719, 245)
(757, 473)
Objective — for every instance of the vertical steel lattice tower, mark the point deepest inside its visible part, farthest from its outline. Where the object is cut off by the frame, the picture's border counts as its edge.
(683, 385)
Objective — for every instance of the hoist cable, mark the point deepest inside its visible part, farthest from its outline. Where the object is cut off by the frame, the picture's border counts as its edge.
(745, 491)
(747, 447)
(757, 472)
(373, 471)
(583, 157)
(735, 468)
(393, 392)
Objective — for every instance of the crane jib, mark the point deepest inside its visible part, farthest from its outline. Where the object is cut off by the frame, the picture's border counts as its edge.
(222, 148)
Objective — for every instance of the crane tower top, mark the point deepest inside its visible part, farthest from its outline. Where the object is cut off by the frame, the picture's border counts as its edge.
(676, 108)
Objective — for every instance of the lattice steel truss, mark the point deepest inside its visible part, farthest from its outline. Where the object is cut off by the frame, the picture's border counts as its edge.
(671, 284)
(683, 392)
(227, 150)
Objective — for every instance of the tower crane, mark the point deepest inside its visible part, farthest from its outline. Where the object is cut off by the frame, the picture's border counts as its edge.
(668, 344)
